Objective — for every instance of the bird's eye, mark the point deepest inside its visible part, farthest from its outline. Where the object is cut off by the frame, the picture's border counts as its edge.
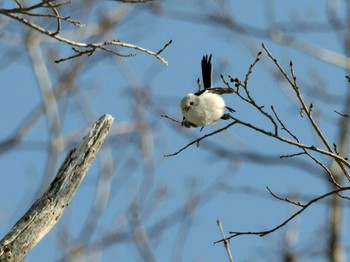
(191, 103)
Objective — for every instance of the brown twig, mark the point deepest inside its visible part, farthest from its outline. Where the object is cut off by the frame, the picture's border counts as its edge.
(331, 178)
(284, 199)
(292, 155)
(14, 14)
(283, 126)
(201, 138)
(342, 114)
(266, 232)
(248, 97)
(306, 109)
(165, 47)
(294, 143)
(170, 118)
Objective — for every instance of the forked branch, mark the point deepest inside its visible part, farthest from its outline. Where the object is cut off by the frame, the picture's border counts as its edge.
(22, 15)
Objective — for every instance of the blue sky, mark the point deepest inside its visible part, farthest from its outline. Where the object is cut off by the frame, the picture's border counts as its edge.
(107, 83)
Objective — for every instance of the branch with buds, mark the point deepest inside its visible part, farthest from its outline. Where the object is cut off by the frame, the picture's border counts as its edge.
(281, 132)
(49, 9)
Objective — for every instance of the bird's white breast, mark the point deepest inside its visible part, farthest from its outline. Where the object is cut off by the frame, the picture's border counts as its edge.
(206, 109)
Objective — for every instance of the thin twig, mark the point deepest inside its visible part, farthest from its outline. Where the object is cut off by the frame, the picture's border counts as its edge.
(342, 114)
(170, 118)
(101, 45)
(331, 178)
(325, 168)
(226, 242)
(54, 10)
(283, 125)
(201, 138)
(79, 53)
(266, 232)
(305, 108)
(164, 47)
(294, 143)
(284, 199)
(292, 155)
(250, 70)
(249, 99)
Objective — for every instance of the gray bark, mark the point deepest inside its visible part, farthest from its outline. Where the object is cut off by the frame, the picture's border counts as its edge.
(47, 210)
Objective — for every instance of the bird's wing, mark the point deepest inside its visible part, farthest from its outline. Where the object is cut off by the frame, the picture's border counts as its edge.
(187, 123)
(230, 109)
(207, 72)
(220, 90)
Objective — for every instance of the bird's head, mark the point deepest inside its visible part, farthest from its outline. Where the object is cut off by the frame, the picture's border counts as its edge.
(188, 101)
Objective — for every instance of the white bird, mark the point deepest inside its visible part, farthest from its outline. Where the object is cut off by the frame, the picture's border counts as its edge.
(206, 106)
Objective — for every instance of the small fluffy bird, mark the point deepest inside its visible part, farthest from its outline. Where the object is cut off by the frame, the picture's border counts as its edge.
(205, 107)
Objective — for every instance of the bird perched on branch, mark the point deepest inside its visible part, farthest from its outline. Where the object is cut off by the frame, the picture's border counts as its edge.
(206, 106)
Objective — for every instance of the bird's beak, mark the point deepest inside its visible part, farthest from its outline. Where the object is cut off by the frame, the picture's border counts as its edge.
(187, 108)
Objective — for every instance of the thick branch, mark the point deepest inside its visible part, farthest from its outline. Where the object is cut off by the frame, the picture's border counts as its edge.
(46, 211)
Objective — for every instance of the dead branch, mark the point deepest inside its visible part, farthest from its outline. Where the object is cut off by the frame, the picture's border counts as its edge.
(226, 242)
(47, 210)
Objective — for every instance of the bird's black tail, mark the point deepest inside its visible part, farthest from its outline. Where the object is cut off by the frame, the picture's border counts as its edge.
(207, 71)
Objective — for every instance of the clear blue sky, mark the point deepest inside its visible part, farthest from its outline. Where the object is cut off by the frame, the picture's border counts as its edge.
(197, 168)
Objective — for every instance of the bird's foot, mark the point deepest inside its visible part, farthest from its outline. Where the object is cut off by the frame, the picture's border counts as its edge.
(226, 117)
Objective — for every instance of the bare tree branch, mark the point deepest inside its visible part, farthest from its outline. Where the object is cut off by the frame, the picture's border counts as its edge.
(47, 210)
(305, 108)
(91, 47)
(303, 207)
(226, 242)
(200, 139)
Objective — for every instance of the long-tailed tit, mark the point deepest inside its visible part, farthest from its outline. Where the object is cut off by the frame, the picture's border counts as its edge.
(206, 106)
